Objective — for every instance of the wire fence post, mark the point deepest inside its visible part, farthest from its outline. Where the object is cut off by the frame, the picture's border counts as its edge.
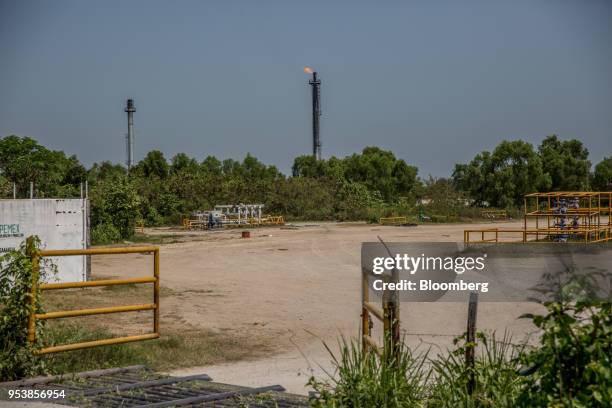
(392, 317)
(365, 315)
(471, 341)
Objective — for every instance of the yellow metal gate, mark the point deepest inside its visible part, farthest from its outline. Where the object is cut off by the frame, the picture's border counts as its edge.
(96, 311)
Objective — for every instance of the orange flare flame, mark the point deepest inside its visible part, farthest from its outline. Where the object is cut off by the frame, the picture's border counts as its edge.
(308, 70)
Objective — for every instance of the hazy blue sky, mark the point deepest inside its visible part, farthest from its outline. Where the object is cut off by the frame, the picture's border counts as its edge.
(434, 81)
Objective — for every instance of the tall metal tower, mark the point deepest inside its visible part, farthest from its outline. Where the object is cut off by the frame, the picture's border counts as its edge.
(316, 113)
(130, 109)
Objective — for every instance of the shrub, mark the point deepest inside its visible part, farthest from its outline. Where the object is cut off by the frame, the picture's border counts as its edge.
(571, 367)
(16, 353)
(115, 202)
(573, 364)
(365, 379)
(495, 373)
(104, 233)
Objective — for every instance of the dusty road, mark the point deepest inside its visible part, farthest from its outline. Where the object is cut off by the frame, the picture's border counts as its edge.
(292, 289)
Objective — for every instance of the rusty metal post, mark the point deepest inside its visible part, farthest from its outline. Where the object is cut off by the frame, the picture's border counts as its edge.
(391, 318)
(365, 315)
(395, 316)
(471, 341)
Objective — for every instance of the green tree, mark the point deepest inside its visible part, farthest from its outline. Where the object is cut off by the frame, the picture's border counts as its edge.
(115, 202)
(566, 162)
(601, 179)
(308, 166)
(24, 160)
(105, 170)
(303, 198)
(379, 170)
(501, 178)
(154, 165)
(473, 178)
(212, 165)
(516, 169)
(443, 198)
(183, 164)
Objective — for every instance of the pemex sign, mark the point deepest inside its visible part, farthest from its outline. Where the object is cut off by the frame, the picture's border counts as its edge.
(10, 231)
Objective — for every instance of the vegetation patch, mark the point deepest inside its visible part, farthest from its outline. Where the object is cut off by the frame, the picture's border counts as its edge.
(570, 367)
(363, 186)
(174, 349)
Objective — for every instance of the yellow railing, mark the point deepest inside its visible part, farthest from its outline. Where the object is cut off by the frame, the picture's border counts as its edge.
(192, 224)
(494, 214)
(235, 223)
(273, 220)
(495, 235)
(392, 221)
(36, 286)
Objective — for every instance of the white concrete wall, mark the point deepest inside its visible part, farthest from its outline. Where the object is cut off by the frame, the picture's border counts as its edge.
(59, 223)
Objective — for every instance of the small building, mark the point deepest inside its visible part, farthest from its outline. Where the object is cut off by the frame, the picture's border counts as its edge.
(59, 223)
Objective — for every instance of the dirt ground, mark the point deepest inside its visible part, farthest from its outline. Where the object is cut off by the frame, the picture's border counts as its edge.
(290, 289)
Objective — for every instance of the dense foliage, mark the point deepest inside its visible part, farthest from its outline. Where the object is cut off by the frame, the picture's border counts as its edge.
(16, 357)
(495, 375)
(23, 160)
(362, 186)
(500, 178)
(602, 175)
(570, 367)
(365, 379)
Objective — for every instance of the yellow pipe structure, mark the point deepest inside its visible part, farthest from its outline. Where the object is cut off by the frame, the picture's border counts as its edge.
(89, 284)
(392, 220)
(541, 231)
(35, 257)
(587, 212)
(97, 343)
(32, 318)
(95, 311)
(99, 251)
(156, 291)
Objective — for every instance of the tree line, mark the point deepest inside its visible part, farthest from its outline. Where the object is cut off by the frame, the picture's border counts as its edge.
(362, 186)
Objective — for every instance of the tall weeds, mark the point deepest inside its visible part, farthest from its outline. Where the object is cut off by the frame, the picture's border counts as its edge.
(365, 379)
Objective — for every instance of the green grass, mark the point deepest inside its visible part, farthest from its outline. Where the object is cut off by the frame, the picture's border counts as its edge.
(495, 373)
(171, 350)
(364, 379)
(139, 238)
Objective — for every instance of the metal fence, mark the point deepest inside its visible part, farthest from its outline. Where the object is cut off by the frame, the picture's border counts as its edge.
(36, 286)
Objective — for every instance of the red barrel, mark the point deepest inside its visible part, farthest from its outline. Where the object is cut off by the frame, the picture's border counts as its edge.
(246, 234)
